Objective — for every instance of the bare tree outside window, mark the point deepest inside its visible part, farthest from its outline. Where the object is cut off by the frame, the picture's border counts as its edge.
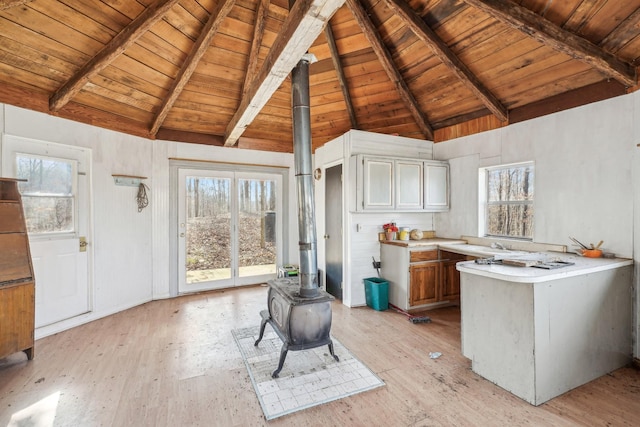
(48, 193)
(509, 210)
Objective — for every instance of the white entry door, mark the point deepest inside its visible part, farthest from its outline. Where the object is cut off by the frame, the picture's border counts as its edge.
(229, 225)
(55, 197)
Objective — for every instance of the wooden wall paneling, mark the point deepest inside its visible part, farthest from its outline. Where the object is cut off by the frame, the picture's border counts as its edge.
(599, 91)
(469, 127)
(569, 76)
(81, 23)
(27, 79)
(24, 57)
(36, 41)
(52, 29)
(133, 82)
(116, 93)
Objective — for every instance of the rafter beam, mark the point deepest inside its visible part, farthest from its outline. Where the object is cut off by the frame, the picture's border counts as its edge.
(384, 56)
(551, 35)
(304, 23)
(6, 4)
(189, 66)
(258, 34)
(129, 35)
(447, 57)
(335, 57)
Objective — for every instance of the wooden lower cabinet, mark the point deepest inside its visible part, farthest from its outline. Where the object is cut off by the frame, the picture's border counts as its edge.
(423, 280)
(450, 282)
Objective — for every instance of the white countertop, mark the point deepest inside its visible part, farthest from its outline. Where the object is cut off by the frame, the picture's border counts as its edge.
(424, 243)
(582, 265)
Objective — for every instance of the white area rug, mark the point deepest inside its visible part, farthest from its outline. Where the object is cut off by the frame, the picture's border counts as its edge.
(308, 377)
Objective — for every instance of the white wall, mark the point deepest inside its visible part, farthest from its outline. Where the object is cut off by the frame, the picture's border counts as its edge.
(585, 169)
(130, 249)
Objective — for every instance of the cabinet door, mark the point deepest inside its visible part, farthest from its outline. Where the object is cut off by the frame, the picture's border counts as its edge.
(423, 279)
(450, 281)
(409, 182)
(436, 187)
(378, 183)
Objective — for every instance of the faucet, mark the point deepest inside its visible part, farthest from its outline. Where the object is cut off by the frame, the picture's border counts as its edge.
(497, 245)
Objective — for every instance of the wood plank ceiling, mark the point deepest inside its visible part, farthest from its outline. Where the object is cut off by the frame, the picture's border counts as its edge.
(217, 71)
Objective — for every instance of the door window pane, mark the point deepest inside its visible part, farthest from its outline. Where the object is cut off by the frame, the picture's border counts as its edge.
(48, 194)
(208, 245)
(257, 227)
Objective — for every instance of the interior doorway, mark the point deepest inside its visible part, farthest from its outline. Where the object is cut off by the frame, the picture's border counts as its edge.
(229, 228)
(333, 227)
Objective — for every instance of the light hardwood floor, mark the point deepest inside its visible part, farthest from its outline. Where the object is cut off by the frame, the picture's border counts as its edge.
(175, 363)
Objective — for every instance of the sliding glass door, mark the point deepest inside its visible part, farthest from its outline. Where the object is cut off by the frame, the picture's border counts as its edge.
(229, 225)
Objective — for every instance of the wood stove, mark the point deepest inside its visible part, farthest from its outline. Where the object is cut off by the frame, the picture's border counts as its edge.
(301, 323)
(298, 310)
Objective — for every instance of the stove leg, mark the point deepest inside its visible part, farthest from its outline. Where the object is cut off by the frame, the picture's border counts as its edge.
(283, 355)
(263, 324)
(336, 358)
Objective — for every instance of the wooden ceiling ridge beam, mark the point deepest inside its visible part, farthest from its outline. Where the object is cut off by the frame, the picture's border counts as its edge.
(386, 60)
(256, 42)
(125, 38)
(549, 34)
(300, 29)
(447, 57)
(342, 79)
(191, 62)
(7, 4)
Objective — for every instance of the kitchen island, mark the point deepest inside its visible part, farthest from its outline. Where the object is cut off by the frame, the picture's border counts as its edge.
(539, 333)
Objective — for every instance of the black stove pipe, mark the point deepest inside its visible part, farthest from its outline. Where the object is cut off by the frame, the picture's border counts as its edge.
(304, 179)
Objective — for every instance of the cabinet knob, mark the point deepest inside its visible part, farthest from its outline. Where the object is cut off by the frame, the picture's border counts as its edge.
(326, 236)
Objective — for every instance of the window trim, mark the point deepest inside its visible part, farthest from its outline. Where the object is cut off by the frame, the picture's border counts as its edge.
(483, 203)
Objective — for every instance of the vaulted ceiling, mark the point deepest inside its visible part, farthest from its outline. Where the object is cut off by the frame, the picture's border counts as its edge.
(217, 71)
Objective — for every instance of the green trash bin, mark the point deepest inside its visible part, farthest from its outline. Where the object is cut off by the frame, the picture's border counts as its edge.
(376, 292)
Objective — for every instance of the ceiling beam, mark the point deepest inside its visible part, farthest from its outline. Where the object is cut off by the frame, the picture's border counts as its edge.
(304, 23)
(384, 56)
(189, 65)
(129, 35)
(549, 34)
(335, 57)
(6, 4)
(447, 57)
(258, 33)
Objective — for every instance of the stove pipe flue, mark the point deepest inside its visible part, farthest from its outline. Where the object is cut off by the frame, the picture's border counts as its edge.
(304, 178)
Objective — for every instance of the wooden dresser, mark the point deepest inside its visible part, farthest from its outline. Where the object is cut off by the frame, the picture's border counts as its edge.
(17, 284)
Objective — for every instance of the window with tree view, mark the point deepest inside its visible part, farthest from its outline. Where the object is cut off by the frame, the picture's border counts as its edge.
(48, 193)
(509, 201)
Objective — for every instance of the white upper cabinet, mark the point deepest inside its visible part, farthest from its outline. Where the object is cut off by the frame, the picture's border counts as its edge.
(378, 183)
(409, 181)
(436, 186)
(393, 184)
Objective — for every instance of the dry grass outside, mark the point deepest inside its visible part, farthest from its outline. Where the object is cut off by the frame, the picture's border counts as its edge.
(209, 242)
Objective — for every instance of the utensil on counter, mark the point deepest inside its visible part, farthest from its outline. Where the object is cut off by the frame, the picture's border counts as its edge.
(599, 244)
(582, 245)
